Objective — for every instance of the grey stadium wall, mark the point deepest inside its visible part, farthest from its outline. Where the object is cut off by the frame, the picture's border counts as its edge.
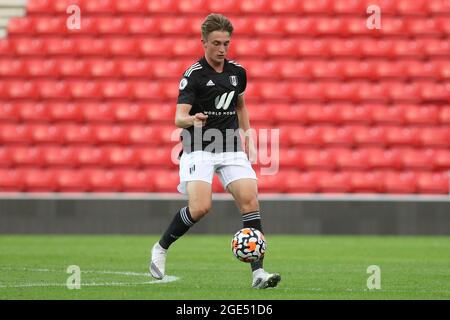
(282, 214)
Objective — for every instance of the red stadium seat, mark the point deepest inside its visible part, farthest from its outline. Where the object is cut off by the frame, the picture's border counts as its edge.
(162, 6)
(104, 180)
(88, 156)
(345, 47)
(111, 134)
(283, 113)
(135, 68)
(12, 67)
(144, 134)
(290, 158)
(142, 25)
(13, 134)
(268, 26)
(314, 6)
(435, 137)
(5, 157)
(435, 47)
(11, 180)
(78, 134)
(441, 159)
(382, 114)
(428, 114)
(322, 113)
(306, 136)
(98, 112)
(27, 156)
(366, 182)
(302, 182)
(255, 6)
(158, 112)
(41, 68)
(335, 182)
(25, 46)
(348, 6)
(98, 6)
(352, 159)
(402, 136)
(284, 6)
(289, 69)
(337, 136)
(225, 6)
(147, 90)
(405, 7)
(433, 182)
(435, 91)
(427, 26)
(50, 89)
(168, 69)
(72, 180)
(313, 47)
(40, 181)
(130, 6)
(174, 25)
(129, 112)
(317, 159)
(444, 115)
(329, 25)
(272, 183)
(40, 6)
(116, 89)
(47, 134)
(137, 180)
(111, 25)
(19, 89)
(60, 112)
(417, 158)
(404, 91)
(122, 157)
(30, 112)
(354, 113)
(152, 157)
(166, 181)
(57, 156)
(251, 47)
(88, 46)
(299, 26)
(310, 91)
(103, 68)
(69, 67)
(364, 135)
(157, 47)
(122, 46)
(384, 158)
(403, 182)
(274, 91)
(80, 89)
(192, 6)
(438, 6)
(57, 45)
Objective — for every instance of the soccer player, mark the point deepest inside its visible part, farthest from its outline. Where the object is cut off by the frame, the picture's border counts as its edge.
(211, 110)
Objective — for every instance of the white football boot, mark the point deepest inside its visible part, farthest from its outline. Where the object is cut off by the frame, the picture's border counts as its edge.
(158, 263)
(263, 279)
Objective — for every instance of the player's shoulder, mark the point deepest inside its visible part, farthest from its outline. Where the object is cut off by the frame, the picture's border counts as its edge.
(193, 69)
(237, 65)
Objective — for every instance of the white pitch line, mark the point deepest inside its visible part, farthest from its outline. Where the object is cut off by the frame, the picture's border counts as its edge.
(166, 279)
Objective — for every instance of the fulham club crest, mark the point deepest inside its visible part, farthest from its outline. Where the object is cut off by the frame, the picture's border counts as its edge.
(233, 80)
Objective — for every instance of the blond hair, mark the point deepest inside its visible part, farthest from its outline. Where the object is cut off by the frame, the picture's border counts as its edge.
(216, 22)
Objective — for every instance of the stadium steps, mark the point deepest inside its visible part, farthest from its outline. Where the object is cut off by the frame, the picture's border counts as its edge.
(10, 9)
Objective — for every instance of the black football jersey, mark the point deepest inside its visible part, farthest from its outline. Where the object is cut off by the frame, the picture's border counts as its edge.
(216, 95)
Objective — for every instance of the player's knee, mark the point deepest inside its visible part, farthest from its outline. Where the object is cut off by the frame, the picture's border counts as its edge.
(249, 204)
(199, 211)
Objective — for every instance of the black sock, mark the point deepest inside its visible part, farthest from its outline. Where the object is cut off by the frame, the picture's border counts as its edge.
(253, 220)
(180, 224)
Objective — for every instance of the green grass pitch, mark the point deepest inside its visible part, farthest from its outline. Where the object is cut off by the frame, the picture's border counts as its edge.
(203, 267)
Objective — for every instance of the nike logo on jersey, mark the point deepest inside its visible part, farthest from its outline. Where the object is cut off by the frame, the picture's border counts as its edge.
(210, 83)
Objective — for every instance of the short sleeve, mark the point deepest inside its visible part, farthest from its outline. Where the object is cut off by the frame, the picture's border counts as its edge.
(243, 81)
(186, 93)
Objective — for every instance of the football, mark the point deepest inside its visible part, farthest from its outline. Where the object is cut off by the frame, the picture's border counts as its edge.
(248, 245)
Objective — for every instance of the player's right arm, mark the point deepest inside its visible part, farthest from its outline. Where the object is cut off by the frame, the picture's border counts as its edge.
(184, 120)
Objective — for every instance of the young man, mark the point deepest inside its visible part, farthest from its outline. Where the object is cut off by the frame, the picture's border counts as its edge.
(211, 109)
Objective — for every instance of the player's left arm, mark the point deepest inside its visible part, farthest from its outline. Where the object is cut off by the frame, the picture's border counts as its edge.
(244, 124)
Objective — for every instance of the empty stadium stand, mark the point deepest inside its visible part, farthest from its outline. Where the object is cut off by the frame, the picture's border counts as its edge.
(359, 110)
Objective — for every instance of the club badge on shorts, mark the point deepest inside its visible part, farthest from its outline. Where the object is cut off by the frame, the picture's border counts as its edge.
(234, 80)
